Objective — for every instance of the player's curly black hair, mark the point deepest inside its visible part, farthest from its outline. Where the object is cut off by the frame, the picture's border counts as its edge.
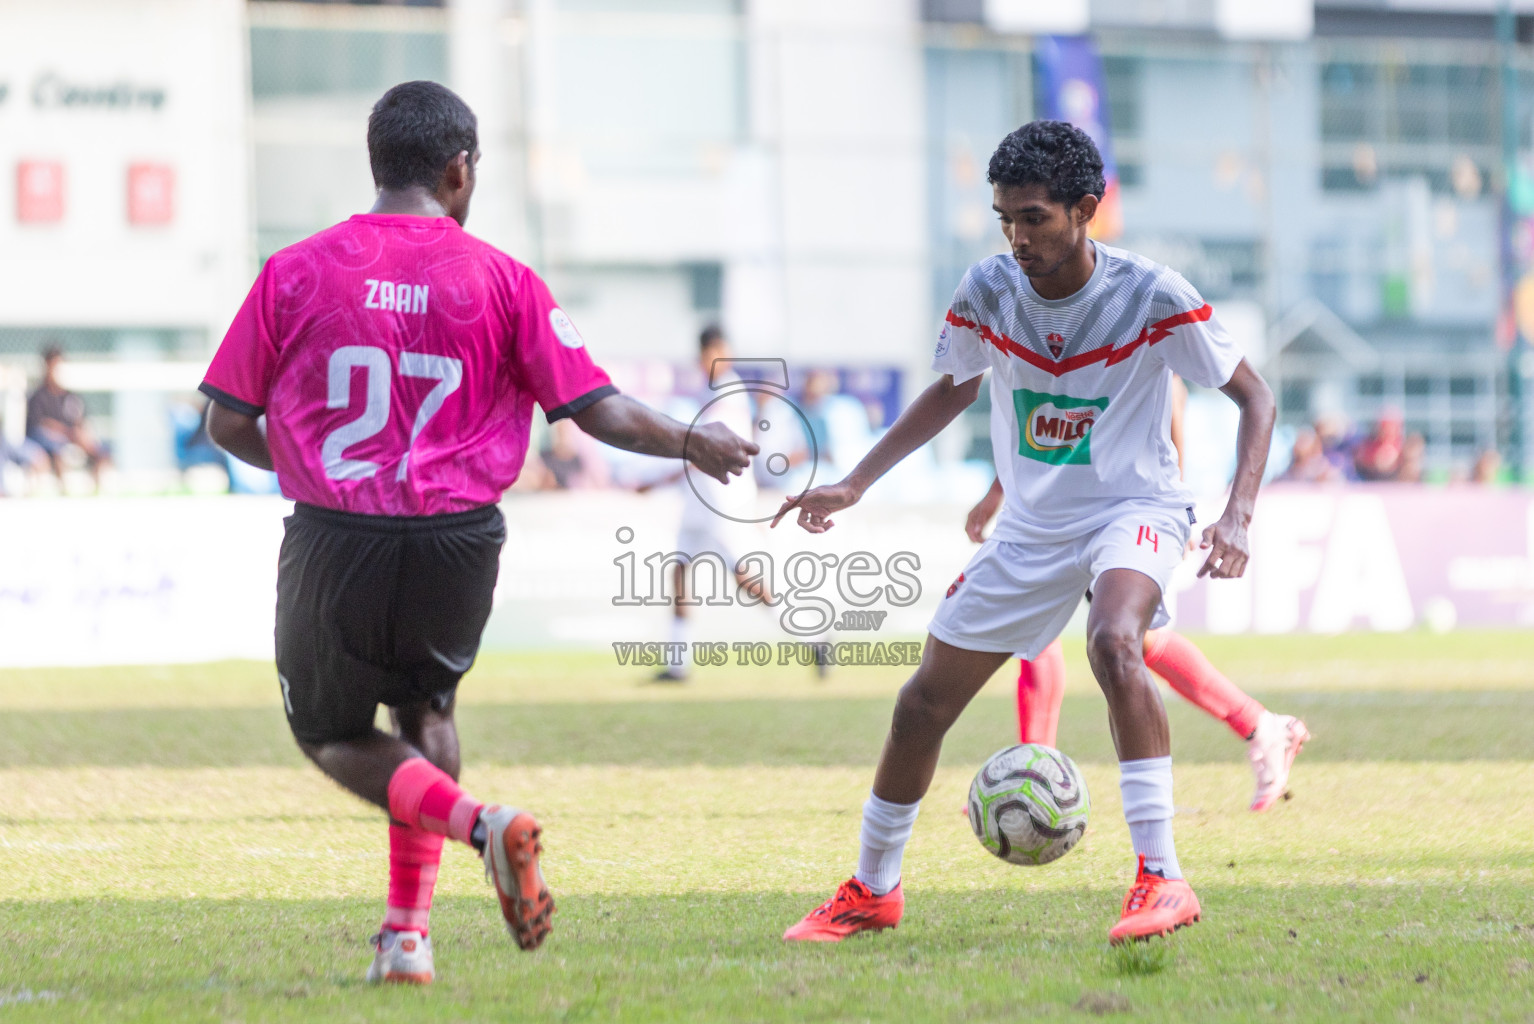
(1055, 154)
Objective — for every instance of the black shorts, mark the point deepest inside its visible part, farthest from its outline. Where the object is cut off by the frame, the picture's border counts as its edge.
(379, 610)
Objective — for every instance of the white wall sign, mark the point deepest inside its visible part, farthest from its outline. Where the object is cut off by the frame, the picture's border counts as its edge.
(1038, 17)
(143, 105)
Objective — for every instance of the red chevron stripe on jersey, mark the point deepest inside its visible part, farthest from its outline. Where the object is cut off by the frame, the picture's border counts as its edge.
(1107, 354)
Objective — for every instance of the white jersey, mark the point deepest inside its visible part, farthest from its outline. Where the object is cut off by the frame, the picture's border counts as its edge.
(1081, 387)
(705, 501)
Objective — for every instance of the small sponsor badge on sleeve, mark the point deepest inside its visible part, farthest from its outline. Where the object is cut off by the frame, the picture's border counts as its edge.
(564, 330)
(942, 343)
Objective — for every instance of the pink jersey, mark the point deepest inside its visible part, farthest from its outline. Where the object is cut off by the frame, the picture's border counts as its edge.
(397, 360)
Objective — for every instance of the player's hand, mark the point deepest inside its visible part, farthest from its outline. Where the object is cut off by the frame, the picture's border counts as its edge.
(1228, 549)
(718, 451)
(815, 506)
(983, 512)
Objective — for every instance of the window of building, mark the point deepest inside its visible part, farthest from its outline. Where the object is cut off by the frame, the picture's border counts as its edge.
(1388, 119)
(320, 61)
(683, 68)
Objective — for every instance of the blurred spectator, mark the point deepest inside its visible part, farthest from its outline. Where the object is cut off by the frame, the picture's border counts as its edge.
(820, 386)
(571, 459)
(1487, 468)
(1337, 444)
(841, 424)
(1409, 468)
(193, 445)
(1309, 463)
(204, 465)
(28, 456)
(56, 421)
(1379, 457)
(875, 410)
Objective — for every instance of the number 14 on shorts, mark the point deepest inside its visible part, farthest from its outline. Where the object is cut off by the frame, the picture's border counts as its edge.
(445, 370)
(1147, 537)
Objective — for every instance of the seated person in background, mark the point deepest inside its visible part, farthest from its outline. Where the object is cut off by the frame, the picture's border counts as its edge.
(56, 420)
(1309, 463)
(1338, 443)
(1487, 467)
(1413, 452)
(820, 386)
(26, 455)
(1379, 457)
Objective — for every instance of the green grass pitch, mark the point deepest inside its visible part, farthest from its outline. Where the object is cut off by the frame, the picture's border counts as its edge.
(169, 856)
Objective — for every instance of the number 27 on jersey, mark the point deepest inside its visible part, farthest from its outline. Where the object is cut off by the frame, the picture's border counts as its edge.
(445, 370)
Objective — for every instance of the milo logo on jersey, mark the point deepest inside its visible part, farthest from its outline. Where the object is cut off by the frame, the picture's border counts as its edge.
(1056, 429)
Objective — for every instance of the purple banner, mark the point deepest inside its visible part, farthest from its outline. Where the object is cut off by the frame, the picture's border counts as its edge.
(1379, 557)
(1075, 90)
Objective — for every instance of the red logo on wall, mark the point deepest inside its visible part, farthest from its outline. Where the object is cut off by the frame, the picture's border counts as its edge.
(39, 191)
(151, 194)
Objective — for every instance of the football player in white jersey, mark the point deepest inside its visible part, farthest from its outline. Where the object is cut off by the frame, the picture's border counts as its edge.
(716, 523)
(1082, 341)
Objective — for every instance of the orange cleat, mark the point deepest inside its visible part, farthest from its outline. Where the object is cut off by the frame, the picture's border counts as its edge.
(1154, 906)
(853, 909)
(511, 865)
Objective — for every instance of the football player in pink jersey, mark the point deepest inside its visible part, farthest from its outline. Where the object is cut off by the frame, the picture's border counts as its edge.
(387, 369)
(1081, 342)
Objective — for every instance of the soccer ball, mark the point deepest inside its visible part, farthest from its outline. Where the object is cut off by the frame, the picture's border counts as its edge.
(1029, 804)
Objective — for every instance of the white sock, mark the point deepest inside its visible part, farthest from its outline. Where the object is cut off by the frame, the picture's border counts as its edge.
(679, 633)
(1146, 786)
(886, 830)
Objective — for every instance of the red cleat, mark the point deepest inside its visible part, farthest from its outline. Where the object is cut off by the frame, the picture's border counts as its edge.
(853, 909)
(511, 864)
(1154, 906)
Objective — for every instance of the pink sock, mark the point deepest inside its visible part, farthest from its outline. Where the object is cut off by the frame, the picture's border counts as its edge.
(1040, 688)
(413, 860)
(426, 797)
(1174, 658)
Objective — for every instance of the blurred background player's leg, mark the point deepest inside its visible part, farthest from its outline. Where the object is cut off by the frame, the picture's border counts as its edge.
(693, 543)
(1273, 741)
(1040, 689)
(677, 673)
(1176, 659)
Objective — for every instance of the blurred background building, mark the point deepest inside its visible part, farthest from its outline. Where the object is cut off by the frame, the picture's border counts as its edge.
(1347, 182)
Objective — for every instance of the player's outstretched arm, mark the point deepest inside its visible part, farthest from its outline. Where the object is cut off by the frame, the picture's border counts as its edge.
(984, 511)
(921, 421)
(624, 423)
(1226, 540)
(239, 435)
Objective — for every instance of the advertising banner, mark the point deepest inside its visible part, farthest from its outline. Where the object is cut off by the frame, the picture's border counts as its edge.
(1076, 90)
(1379, 557)
(163, 580)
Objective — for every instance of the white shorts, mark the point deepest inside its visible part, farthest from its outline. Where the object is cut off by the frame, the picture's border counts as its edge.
(1016, 598)
(728, 540)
